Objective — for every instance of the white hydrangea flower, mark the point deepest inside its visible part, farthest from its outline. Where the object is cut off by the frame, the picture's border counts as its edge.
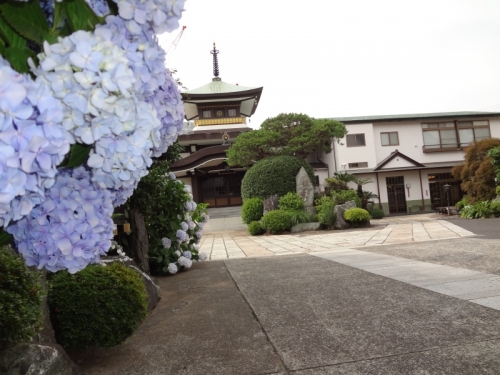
(172, 268)
(203, 257)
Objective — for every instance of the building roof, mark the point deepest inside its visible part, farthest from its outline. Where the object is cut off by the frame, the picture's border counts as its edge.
(414, 116)
(218, 87)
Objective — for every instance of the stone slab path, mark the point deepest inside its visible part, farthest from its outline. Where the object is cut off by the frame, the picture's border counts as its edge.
(474, 286)
(239, 244)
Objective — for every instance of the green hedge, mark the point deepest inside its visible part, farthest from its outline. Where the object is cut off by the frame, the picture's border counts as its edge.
(276, 222)
(376, 213)
(275, 175)
(96, 306)
(252, 210)
(20, 298)
(357, 217)
(255, 228)
(344, 196)
(291, 201)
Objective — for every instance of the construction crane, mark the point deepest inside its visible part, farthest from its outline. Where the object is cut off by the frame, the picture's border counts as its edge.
(176, 41)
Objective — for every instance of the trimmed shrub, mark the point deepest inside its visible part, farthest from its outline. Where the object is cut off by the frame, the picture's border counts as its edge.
(497, 190)
(274, 175)
(347, 195)
(252, 210)
(255, 228)
(326, 213)
(277, 221)
(96, 306)
(356, 215)
(376, 213)
(21, 297)
(299, 217)
(333, 186)
(291, 202)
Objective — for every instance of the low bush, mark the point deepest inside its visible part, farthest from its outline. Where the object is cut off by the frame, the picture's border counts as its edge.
(255, 228)
(478, 210)
(252, 210)
(347, 195)
(497, 190)
(334, 186)
(277, 221)
(291, 202)
(20, 299)
(357, 216)
(326, 213)
(495, 208)
(376, 213)
(461, 203)
(96, 306)
(299, 217)
(323, 199)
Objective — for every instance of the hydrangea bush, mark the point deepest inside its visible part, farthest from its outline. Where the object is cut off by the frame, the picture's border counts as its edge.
(174, 221)
(85, 103)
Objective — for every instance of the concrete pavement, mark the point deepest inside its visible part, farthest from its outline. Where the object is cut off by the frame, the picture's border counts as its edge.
(302, 314)
(426, 301)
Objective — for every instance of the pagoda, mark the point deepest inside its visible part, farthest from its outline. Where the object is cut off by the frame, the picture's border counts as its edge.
(216, 113)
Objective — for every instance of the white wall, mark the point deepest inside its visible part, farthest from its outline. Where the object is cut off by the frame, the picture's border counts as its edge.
(411, 141)
(359, 154)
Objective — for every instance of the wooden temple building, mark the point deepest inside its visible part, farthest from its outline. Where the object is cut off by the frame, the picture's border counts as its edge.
(216, 113)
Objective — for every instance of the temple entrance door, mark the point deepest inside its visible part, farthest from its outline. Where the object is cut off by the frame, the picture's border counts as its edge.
(396, 194)
(222, 190)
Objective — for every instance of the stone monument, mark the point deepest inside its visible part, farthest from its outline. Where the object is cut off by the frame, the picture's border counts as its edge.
(305, 189)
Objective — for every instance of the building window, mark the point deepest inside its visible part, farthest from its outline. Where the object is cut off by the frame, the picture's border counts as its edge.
(448, 135)
(355, 140)
(470, 131)
(358, 165)
(231, 112)
(389, 139)
(207, 114)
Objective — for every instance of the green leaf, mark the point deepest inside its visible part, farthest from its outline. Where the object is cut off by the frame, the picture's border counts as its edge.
(9, 36)
(18, 58)
(28, 19)
(78, 155)
(80, 15)
(5, 238)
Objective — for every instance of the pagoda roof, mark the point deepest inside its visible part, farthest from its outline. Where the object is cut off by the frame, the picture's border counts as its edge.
(219, 87)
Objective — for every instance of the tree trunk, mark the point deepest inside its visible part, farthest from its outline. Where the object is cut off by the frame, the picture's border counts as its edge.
(139, 240)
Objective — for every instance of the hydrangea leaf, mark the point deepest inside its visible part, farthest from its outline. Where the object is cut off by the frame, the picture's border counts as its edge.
(5, 238)
(78, 155)
(80, 15)
(9, 36)
(28, 19)
(18, 58)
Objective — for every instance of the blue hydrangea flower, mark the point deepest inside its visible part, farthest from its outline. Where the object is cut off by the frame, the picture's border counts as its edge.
(71, 229)
(32, 142)
(161, 15)
(166, 242)
(187, 254)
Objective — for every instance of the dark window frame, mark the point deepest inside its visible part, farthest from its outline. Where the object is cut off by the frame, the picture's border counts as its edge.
(389, 134)
(357, 165)
(452, 146)
(355, 139)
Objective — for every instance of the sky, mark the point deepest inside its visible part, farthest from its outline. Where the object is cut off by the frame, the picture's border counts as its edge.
(341, 58)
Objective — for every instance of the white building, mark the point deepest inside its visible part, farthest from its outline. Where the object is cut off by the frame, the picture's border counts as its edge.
(408, 158)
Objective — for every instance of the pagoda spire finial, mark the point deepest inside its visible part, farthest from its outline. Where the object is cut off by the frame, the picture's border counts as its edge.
(215, 52)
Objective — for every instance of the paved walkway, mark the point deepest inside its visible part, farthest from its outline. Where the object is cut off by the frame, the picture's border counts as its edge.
(429, 305)
(226, 237)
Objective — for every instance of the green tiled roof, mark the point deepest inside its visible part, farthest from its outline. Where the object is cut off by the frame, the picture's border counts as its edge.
(415, 116)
